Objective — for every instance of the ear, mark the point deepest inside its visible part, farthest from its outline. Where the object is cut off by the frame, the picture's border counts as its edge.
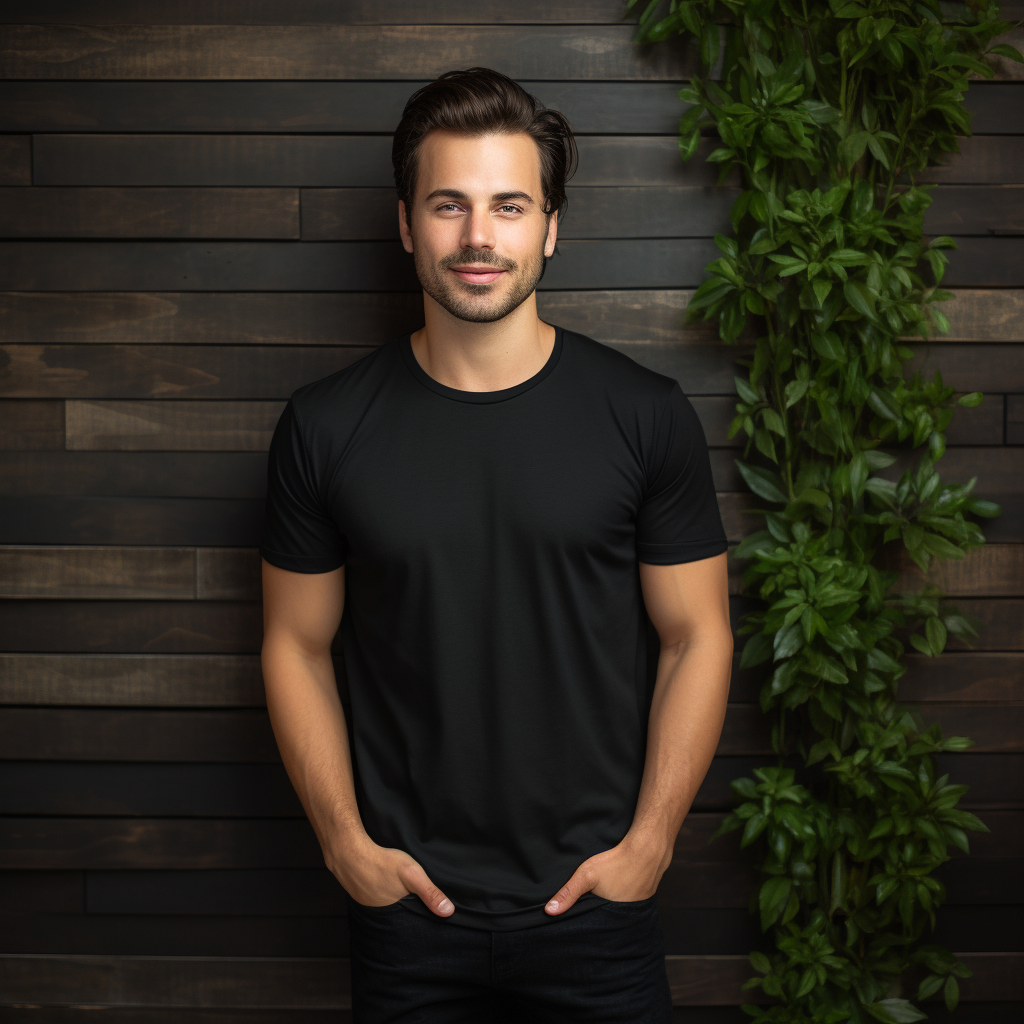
(552, 238)
(403, 227)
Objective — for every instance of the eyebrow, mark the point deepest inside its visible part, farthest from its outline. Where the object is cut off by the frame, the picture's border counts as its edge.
(452, 193)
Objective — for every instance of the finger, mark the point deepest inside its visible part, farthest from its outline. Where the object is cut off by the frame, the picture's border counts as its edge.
(568, 894)
(430, 894)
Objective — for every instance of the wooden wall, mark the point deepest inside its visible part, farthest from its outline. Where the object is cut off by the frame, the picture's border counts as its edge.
(197, 215)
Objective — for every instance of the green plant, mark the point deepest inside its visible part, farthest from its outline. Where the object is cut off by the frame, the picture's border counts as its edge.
(827, 109)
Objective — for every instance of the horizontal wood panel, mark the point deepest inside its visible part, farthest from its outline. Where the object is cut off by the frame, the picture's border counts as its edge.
(325, 266)
(334, 52)
(983, 676)
(31, 425)
(97, 572)
(141, 843)
(233, 736)
(149, 213)
(293, 983)
(149, 680)
(620, 316)
(996, 570)
(113, 520)
(627, 108)
(362, 214)
(320, 12)
(325, 161)
(982, 160)
(163, 425)
(15, 160)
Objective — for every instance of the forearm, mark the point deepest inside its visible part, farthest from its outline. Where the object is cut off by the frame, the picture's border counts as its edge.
(309, 726)
(684, 727)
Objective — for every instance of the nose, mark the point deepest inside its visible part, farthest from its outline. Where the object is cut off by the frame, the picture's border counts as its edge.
(478, 231)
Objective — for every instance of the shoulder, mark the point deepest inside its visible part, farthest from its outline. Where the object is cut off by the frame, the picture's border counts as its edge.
(617, 374)
(324, 399)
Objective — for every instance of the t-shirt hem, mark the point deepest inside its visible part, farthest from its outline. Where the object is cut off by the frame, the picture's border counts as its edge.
(301, 563)
(673, 554)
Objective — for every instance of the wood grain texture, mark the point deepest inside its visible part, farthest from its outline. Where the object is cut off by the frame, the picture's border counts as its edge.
(31, 425)
(618, 315)
(297, 52)
(324, 161)
(139, 680)
(324, 266)
(15, 160)
(1015, 419)
(97, 572)
(968, 676)
(982, 160)
(149, 213)
(627, 108)
(623, 211)
(995, 570)
(318, 12)
(115, 520)
(166, 425)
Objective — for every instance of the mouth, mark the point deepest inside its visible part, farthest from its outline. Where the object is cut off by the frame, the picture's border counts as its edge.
(477, 274)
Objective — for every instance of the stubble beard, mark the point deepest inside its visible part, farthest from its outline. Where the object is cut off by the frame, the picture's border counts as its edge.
(463, 300)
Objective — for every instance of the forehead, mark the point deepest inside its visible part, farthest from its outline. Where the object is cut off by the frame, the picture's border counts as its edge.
(486, 164)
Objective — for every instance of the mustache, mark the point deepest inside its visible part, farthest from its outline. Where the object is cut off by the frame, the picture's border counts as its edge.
(484, 256)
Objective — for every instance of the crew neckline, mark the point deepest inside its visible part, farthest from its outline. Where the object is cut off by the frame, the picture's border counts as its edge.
(478, 397)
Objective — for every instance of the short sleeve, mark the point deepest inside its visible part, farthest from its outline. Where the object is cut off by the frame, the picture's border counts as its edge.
(678, 519)
(298, 533)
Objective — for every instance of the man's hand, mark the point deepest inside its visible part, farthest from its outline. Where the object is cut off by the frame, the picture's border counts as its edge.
(629, 871)
(378, 875)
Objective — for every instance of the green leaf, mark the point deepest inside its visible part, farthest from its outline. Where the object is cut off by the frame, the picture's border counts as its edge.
(951, 993)
(895, 1011)
(772, 900)
(764, 483)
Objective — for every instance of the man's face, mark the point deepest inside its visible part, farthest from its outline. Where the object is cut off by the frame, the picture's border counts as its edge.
(477, 230)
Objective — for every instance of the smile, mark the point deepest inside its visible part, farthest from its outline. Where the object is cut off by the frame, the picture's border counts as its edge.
(477, 275)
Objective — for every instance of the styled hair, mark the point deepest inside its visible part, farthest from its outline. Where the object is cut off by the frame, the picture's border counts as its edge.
(478, 101)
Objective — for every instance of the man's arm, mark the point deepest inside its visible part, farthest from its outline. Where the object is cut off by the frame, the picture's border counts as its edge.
(301, 614)
(688, 604)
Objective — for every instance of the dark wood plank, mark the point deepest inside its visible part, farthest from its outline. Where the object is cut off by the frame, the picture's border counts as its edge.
(625, 108)
(145, 627)
(982, 160)
(138, 680)
(325, 161)
(228, 574)
(126, 735)
(96, 789)
(1015, 419)
(295, 52)
(222, 318)
(102, 520)
(318, 12)
(622, 211)
(97, 572)
(995, 570)
(31, 425)
(171, 426)
(149, 213)
(620, 316)
(15, 160)
(967, 676)
(154, 371)
(45, 892)
(975, 210)
(325, 266)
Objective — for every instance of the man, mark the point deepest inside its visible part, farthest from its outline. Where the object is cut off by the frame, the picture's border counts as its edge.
(491, 507)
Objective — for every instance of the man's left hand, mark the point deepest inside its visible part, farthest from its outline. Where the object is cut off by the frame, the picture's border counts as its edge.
(629, 871)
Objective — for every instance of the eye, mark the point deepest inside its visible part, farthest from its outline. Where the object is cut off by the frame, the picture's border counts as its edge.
(448, 206)
(509, 206)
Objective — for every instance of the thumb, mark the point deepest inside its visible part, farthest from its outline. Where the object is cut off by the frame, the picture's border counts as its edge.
(421, 884)
(577, 885)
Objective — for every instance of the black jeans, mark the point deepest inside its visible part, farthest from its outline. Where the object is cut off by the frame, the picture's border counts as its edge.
(606, 966)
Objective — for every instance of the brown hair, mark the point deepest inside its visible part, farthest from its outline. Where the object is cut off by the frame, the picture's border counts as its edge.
(477, 101)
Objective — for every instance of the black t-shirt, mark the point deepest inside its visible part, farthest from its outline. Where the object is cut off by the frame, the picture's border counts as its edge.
(494, 636)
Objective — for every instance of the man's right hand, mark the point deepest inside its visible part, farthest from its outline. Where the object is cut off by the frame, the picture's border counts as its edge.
(376, 876)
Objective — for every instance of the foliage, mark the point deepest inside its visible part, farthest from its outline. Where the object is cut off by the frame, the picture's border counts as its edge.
(825, 110)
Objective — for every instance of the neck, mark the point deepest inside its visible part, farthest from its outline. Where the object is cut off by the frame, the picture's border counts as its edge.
(482, 357)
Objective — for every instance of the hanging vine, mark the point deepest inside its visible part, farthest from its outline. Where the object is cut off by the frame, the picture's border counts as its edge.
(826, 110)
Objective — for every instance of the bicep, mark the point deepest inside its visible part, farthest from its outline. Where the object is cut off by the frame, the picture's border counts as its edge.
(687, 599)
(302, 609)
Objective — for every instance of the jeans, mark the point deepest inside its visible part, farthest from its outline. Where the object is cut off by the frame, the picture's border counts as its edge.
(606, 966)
